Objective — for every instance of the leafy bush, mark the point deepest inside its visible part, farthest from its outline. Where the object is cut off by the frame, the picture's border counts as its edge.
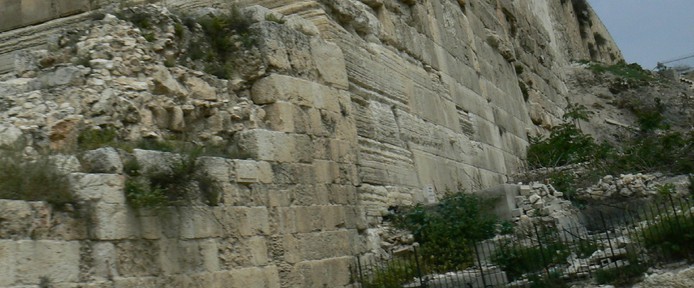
(671, 237)
(169, 185)
(631, 71)
(33, 180)
(668, 152)
(566, 144)
(397, 272)
(141, 195)
(96, 138)
(517, 259)
(223, 32)
(447, 230)
(645, 152)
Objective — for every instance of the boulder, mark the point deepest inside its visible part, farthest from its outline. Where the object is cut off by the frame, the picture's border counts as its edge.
(103, 160)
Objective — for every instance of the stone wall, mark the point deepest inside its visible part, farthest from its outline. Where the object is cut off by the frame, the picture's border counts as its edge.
(367, 105)
(436, 86)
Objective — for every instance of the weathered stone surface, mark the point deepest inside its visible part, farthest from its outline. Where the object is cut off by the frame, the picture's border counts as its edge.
(249, 171)
(318, 245)
(347, 108)
(9, 135)
(156, 161)
(680, 279)
(199, 89)
(103, 160)
(330, 63)
(114, 222)
(57, 260)
(8, 258)
(274, 146)
(102, 188)
(266, 277)
(322, 273)
(245, 221)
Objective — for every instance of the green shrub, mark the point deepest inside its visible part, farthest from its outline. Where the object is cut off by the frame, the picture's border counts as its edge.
(172, 185)
(179, 30)
(566, 144)
(564, 181)
(671, 237)
(631, 71)
(141, 195)
(397, 272)
(96, 138)
(447, 230)
(222, 32)
(35, 180)
(139, 19)
(517, 259)
(668, 152)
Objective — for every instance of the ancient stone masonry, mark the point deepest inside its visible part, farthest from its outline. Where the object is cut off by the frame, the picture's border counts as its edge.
(340, 109)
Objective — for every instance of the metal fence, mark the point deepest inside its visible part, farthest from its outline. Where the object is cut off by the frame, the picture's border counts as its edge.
(617, 247)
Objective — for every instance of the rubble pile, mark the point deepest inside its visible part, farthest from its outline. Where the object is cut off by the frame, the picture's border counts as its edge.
(626, 185)
(115, 75)
(541, 200)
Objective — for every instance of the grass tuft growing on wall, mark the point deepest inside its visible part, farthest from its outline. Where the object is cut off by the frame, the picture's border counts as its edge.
(33, 180)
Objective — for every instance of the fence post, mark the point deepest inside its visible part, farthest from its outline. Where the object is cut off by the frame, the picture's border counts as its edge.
(422, 283)
(607, 233)
(542, 250)
(674, 212)
(479, 262)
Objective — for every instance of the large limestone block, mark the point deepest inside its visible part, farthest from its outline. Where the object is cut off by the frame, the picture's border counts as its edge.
(311, 218)
(217, 168)
(8, 257)
(188, 256)
(330, 62)
(342, 194)
(35, 12)
(138, 258)
(297, 91)
(104, 265)
(256, 277)
(103, 188)
(333, 272)
(326, 171)
(18, 217)
(114, 222)
(306, 194)
(11, 14)
(156, 161)
(342, 151)
(250, 171)
(103, 160)
(285, 117)
(57, 260)
(245, 221)
(274, 146)
(198, 222)
(317, 245)
(243, 252)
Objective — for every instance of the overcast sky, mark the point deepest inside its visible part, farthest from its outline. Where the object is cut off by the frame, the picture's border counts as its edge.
(648, 31)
